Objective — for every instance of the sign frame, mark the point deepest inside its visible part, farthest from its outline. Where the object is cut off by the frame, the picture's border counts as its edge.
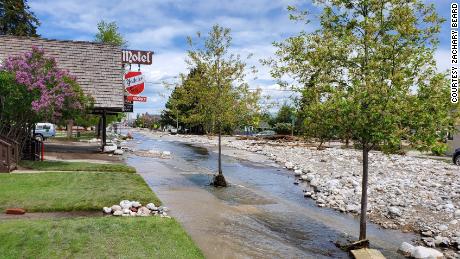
(141, 57)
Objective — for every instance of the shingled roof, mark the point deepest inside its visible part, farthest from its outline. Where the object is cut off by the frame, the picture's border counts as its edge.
(97, 66)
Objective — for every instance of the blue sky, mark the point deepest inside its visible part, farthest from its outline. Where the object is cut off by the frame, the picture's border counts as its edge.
(162, 26)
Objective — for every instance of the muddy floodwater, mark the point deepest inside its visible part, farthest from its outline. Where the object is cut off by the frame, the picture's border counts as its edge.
(261, 215)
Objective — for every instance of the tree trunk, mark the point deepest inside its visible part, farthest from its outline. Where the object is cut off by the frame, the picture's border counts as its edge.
(220, 151)
(219, 179)
(362, 223)
(69, 128)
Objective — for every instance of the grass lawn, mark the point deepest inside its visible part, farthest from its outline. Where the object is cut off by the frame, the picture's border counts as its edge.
(75, 166)
(84, 135)
(72, 191)
(104, 237)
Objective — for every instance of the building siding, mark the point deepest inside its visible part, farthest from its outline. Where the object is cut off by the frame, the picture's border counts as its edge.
(96, 66)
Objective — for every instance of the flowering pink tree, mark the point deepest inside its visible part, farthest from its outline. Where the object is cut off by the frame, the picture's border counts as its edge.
(34, 89)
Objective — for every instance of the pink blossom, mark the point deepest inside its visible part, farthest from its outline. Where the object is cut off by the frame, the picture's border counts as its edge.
(40, 75)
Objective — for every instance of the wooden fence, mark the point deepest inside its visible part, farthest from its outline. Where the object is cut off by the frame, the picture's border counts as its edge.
(9, 154)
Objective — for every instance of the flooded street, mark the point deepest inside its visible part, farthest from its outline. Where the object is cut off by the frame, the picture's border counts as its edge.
(261, 215)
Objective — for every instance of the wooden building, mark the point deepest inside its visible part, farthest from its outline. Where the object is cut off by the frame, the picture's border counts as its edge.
(97, 67)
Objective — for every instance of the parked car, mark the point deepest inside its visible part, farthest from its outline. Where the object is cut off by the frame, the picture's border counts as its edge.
(265, 133)
(456, 156)
(173, 131)
(44, 130)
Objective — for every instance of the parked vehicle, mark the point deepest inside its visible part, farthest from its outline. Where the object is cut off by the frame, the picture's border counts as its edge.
(265, 133)
(44, 130)
(456, 156)
(173, 131)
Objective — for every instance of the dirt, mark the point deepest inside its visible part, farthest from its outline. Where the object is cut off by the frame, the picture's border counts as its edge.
(66, 150)
(48, 215)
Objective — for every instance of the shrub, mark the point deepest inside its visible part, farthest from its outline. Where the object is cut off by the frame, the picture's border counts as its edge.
(439, 149)
(283, 128)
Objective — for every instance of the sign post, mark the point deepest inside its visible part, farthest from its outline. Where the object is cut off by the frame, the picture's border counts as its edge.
(133, 81)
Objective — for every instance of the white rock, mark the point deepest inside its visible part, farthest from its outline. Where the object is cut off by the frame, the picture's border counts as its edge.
(116, 208)
(453, 222)
(107, 210)
(143, 211)
(421, 252)
(314, 183)
(310, 177)
(289, 165)
(118, 152)
(457, 214)
(166, 153)
(449, 206)
(126, 211)
(406, 248)
(298, 172)
(304, 177)
(394, 212)
(151, 206)
(438, 240)
(110, 148)
(125, 204)
(136, 204)
(443, 227)
(118, 213)
(352, 208)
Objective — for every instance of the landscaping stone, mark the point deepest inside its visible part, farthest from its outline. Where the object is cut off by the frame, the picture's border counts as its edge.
(116, 208)
(143, 211)
(136, 204)
(125, 204)
(406, 249)
(118, 152)
(151, 206)
(421, 252)
(134, 208)
(15, 211)
(110, 148)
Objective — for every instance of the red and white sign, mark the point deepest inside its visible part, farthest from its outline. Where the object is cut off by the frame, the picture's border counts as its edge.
(134, 98)
(134, 82)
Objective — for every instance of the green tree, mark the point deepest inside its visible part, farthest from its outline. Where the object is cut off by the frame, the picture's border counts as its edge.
(108, 33)
(368, 74)
(224, 97)
(16, 18)
(285, 114)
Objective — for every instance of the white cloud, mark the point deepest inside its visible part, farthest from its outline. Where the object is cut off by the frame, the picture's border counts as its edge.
(442, 57)
(162, 26)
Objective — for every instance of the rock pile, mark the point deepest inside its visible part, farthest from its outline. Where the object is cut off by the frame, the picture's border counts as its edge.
(405, 192)
(419, 252)
(154, 153)
(134, 208)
